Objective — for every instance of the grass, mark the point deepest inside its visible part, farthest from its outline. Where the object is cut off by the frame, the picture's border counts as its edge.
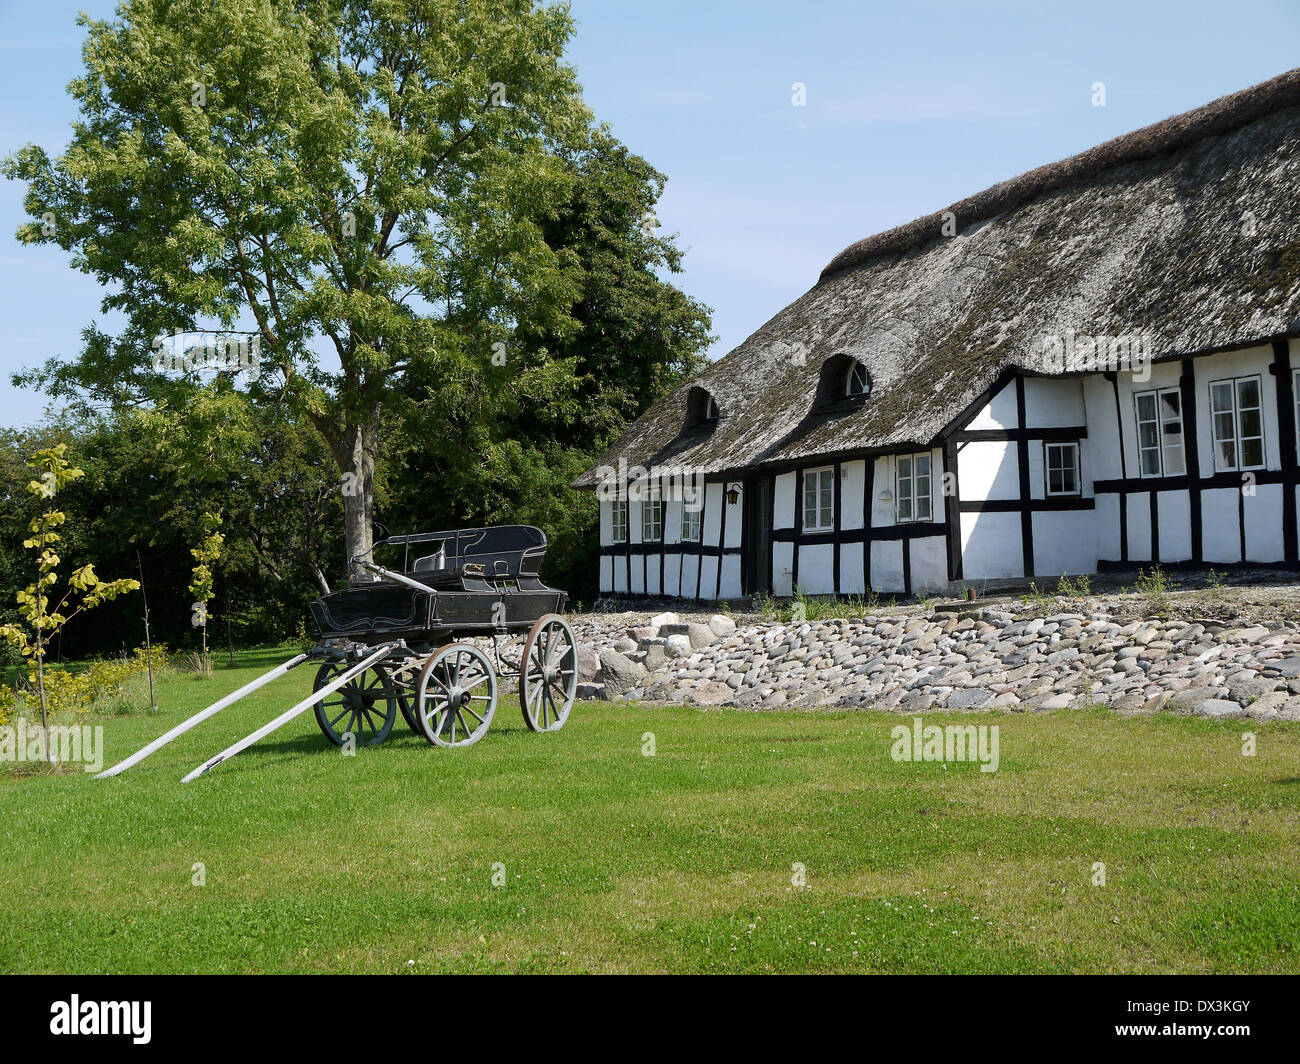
(614, 861)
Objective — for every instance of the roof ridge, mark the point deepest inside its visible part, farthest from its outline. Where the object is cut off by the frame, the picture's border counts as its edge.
(1223, 115)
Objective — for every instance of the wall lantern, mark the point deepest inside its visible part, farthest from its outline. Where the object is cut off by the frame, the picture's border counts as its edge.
(733, 494)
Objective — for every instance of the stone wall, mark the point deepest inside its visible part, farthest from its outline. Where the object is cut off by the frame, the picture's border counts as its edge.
(961, 659)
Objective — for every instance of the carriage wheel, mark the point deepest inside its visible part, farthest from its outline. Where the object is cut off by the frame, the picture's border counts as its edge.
(457, 696)
(548, 674)
(365, 706)
(407, 705)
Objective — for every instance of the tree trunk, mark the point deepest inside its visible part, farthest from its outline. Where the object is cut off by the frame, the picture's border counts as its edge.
(356, 457)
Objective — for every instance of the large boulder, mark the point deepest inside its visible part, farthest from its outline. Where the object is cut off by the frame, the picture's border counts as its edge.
(618, 673)
(721, 625)
(660, 619)
(700, 635)
(677, 646)
(588, 662)
(710, 693)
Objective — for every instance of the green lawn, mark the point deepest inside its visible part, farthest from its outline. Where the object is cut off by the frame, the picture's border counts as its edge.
(615, 861)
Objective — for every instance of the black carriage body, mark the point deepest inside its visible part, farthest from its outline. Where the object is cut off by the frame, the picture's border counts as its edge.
(479, 581)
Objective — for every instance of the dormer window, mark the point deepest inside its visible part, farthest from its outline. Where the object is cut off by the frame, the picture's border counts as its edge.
(701, 408)
(843, 379)
(858, 384)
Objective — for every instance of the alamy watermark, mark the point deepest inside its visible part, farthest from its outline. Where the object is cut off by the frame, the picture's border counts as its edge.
(239, 353)
(955, 742)
(1074, 352)
(684, 484)
(67, 744)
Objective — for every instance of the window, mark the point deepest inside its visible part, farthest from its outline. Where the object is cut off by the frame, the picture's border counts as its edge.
(1061, 462)
(701, 408)
(652, 520)
(618, 522)
(819, 500)
(914, 499)
(1160, 433)
(1238, 424)
(690, 524)
(859, 381)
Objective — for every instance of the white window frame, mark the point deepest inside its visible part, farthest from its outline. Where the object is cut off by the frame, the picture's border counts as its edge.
(691, 524)
(908, 496)
(1235, 384)
(1161, 449)
(821, 481)
(652, 519)
(618, 521)
(1074, 467)
(855, 369)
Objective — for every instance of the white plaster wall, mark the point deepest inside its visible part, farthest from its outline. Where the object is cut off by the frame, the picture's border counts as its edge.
(929, 558)
(782, 569)
(1263, 515)
(816, 569)
(1037, 461)
(620, 575)
(606, 574)
(673, 574)
(711, 519)
(783, 501)
(852, 575)
(1221, 532)
(690, 567)
(988, 470)
(1100, 453)
(1062, 545)
(882, 513)
(999, 412)
(730, 576)
(991, 546)
(1139, 526)
(708, 577)
(1053, 402)
(652, 570)
(735, 516)
(887, 565)
(852, 482)
(1106, 522)
(1175, 512)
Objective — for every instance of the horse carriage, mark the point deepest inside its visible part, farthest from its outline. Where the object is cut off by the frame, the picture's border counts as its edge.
(400, 644)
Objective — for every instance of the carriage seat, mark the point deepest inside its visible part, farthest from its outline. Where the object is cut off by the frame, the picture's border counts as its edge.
(497, 553)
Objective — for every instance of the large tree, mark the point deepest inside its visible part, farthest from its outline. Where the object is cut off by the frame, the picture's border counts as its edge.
(365, 186)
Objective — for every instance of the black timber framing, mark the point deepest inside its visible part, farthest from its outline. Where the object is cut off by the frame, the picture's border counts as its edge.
(838, 525)
(722, 539)
(1123, 470)
(952, 509)
(1022, 460)
(868, 494)
(1286, 431)
(796, 534)
(1191, 458)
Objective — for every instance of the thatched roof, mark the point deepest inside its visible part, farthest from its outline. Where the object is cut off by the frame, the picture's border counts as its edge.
(1184, 233)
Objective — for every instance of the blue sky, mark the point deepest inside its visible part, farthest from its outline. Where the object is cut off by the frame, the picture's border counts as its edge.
(909, 107)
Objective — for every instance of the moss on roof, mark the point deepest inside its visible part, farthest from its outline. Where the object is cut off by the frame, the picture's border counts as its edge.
(1184, 233)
